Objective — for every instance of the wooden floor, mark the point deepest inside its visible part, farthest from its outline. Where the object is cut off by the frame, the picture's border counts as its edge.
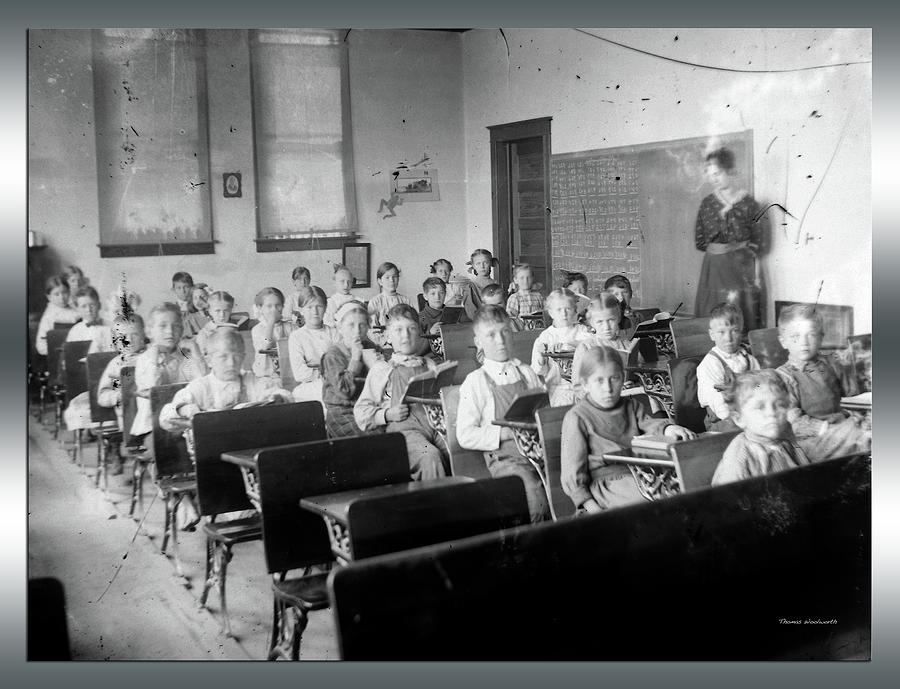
(124, 600)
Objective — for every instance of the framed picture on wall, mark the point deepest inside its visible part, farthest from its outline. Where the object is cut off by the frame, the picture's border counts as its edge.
(358, 258)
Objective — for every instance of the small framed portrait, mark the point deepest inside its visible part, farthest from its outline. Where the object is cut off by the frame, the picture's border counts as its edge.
(358, 258)
(231, 184)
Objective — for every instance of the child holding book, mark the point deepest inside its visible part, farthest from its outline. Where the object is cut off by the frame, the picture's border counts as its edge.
(308, 344)
(815, 386)
(620, 286)
(343, 283)
(603, 317)
(381, 402)
(523, 301)
(486, 394)
(57, 311)
(300, 277)
(563, 335)
(604, 421)
(265, 334)
(759, 403)
(345, 366)
(459, 290)
(430, 317)
(726, 359)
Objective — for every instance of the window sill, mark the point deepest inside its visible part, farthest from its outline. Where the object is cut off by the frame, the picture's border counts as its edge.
(309, 243)
(156, 249)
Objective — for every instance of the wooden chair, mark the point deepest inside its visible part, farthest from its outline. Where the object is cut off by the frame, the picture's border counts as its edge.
(696, 460)
(296, 539)
(463, 462)
(549, 421)
(437, 515)
(795, 541)
(522, 344)
(141, 456)
(105, 423)
(173, 468)
(691, 336)
(686, 409)
(460, 347)
(284, 365)
(75, 377)
(766, 348)
(56, 385)
(220, 486)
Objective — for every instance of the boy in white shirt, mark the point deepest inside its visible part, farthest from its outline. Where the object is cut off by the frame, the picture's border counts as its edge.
(486, 394)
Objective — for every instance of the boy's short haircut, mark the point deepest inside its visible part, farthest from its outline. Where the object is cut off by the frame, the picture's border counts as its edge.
(88, 291)
(55, 281)
(165, 307)
(491, 290)
(619, 281)
(604, 301)
(265, 292)
(403, 311)
(596, 356)
(489, 313)
(570, 276)
(299, 272)
(560, 293)
(183, 277)
(728, 312)
(225, 336)
(799, 312)
(745, 384)
(221, 295)
(310, 295)
(433, 282)
(520, 267)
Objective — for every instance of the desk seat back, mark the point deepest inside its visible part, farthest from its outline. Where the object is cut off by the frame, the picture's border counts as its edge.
(220, 486)
(170, 453)
(460, 347)
(96, 365)
(401, 522)
(735, 556)
(549, 421)
(284, 365)
(129, 403)
(691, 336)
(55, 368)
(696, 460)
(522, 344)
(294, 537)
(463, 462)
(686, 409)
(766, 348)
(75, 372)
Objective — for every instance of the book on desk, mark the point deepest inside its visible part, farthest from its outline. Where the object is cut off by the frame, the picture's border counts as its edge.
(525, 404)
(652, 444)
(450, 315)
(428, 384)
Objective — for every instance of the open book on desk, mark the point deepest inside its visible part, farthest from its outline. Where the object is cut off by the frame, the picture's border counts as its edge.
(428, 384)
(525, 404)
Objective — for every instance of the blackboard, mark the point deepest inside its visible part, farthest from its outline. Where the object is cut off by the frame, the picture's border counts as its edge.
(632, 210)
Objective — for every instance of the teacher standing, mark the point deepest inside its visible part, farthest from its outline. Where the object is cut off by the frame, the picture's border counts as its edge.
(728, 231)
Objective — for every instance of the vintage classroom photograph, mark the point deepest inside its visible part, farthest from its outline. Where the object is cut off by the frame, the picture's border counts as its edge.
(449, 344)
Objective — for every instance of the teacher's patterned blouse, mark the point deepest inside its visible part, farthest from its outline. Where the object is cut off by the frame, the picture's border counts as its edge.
(738, 225)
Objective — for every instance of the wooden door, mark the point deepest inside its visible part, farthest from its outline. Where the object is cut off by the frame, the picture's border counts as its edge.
(520, 192)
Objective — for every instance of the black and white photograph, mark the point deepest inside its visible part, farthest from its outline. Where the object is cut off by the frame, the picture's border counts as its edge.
(605, 396)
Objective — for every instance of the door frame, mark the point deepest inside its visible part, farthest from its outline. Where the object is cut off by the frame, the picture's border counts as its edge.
(501, 136)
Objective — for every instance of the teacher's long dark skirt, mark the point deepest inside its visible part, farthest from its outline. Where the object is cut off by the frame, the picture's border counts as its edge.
(724, 275)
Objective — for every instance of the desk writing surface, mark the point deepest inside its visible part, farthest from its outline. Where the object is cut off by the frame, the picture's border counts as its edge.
(630, 456)
(243, 458)
(337, 505)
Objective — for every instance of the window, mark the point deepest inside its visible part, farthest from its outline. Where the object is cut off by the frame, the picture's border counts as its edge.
(302, 139)
(152, 150)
